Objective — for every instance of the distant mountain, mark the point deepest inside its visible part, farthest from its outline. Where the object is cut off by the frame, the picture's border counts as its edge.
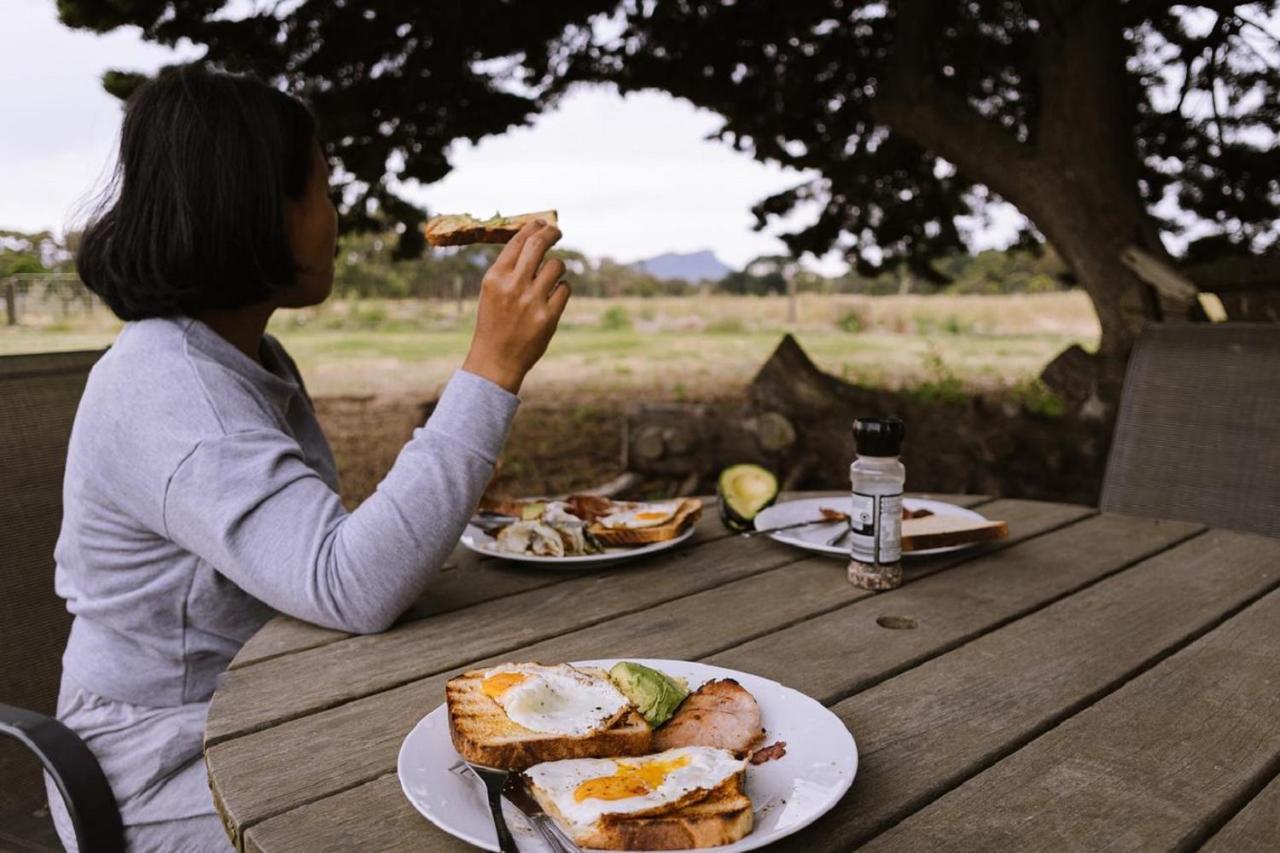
(691, 267)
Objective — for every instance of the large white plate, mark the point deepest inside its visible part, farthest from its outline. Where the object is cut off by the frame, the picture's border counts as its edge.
(816, 537)
(789, 793)
(482, 543)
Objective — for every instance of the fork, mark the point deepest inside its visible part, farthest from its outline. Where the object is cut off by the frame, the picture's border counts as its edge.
(517, 791)
(493, 780)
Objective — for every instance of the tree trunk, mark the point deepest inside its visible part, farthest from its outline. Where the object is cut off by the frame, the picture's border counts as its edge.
(1076, 179)
(1086, 202)
(797, 422)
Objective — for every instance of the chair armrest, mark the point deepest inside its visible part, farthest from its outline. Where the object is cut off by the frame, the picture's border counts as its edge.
(76, 772)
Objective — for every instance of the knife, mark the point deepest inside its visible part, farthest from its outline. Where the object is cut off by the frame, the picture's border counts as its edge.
(516, 790)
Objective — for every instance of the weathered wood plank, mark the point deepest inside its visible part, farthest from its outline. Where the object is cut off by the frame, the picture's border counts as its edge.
(1255, 828)
(468, 579)
(822, 658)
(464, 580)
(254, 697)
(274, 770)
(327, 827)
(1146, 768)
(925, 731)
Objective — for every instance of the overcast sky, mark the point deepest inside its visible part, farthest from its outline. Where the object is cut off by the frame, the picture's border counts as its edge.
(630, 177)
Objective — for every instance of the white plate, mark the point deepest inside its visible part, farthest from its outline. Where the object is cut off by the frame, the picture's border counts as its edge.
(816, 537)
(482, 543)
(789, 793)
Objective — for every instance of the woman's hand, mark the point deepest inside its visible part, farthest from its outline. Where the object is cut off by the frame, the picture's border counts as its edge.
(521, 300)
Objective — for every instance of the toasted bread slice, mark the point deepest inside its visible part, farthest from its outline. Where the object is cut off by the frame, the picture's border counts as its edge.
(462, 229)
(482, 733)
(721, 816)
(689, 512)
(941, 531)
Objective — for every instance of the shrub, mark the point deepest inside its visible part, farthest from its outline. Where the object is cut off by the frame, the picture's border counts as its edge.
(727, 326)
(852, 322)
(615, 319)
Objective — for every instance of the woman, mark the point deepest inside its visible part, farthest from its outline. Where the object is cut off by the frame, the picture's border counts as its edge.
(201, 497)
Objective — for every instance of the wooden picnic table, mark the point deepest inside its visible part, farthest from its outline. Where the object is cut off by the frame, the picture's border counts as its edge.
(1093, 681)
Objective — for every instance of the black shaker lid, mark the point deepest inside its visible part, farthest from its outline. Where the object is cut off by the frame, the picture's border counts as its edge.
(879, 436)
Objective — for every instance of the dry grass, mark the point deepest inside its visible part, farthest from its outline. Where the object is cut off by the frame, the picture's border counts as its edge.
(668, 348)
(373, 365)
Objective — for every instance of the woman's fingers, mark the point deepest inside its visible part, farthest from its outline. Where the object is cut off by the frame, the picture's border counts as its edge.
(548, 274)
(534, 250)
(511, 252)
(556, 302)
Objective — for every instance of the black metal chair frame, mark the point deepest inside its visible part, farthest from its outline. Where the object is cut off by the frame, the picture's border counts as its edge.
(84, 788)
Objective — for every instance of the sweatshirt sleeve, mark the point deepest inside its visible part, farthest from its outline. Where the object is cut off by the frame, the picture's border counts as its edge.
(249, 504)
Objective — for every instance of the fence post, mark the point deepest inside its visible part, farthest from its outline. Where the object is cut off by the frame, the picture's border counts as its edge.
(11, 302)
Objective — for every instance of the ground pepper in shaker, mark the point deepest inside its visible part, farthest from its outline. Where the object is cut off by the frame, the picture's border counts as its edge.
(877, 479)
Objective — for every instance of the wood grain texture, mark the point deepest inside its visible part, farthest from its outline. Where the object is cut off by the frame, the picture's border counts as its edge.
(833, 655)
(271, 771)
(1255, 828)
(1143, 769)
(284, 687)
(924, 732)
(327, 827)
(467, 579)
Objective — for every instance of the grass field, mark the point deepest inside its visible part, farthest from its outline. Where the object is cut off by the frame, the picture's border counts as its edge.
(666, 348)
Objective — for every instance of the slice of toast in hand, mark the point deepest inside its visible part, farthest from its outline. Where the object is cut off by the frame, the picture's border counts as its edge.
(460, 229)
(689, 511)
(482, 733)
(720, 816)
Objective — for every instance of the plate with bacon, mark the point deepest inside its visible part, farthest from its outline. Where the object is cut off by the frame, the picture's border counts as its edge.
(580, 531)
(636, 754)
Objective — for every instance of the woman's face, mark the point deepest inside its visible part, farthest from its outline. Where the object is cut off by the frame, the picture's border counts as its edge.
(312, 224)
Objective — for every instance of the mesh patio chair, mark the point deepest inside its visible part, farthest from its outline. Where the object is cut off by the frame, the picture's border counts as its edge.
(1198, 433)
(38, 399)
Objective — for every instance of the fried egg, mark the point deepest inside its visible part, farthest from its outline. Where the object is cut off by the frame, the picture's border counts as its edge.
(639, 516)
(557, 512)
(554, 699)
(584, 789)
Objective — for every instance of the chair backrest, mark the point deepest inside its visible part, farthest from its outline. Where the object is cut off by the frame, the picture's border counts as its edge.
(1198, 434)
(38, 399)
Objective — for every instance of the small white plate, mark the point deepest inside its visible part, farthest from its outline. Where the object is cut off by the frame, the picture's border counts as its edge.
(788, 793)
(816, 537)
(482, 543)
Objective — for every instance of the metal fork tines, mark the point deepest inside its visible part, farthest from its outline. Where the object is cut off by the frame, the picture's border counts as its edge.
(516, 790)
(493, 780)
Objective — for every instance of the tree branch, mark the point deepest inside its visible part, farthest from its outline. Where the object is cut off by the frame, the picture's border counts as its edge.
(949, 127)
(909, 102)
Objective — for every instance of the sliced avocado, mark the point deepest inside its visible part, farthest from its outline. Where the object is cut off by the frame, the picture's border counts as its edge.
(656, 695)
(745, 490)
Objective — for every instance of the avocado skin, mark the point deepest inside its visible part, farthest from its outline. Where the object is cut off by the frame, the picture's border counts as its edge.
(738, 511)
(655, 694)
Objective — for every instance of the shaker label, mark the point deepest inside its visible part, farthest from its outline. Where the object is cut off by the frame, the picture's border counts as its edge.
(876, 524)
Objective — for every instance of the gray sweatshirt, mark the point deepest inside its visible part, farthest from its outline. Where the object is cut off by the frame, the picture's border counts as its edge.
(201, 499)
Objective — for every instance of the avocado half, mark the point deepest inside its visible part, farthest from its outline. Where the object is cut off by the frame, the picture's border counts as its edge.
(745, 491)
(655, 694)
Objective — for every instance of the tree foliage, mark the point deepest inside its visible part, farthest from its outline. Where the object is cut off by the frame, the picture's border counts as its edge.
(1107, 123)
(42, 252)
(394, 84)
(806, 84)
(799, 83)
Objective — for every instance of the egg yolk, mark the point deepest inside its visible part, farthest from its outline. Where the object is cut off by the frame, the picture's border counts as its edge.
(630, 780)
(495, 685)
(650, 516)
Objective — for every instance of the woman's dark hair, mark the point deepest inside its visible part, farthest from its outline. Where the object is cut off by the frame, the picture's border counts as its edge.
(196, 215)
